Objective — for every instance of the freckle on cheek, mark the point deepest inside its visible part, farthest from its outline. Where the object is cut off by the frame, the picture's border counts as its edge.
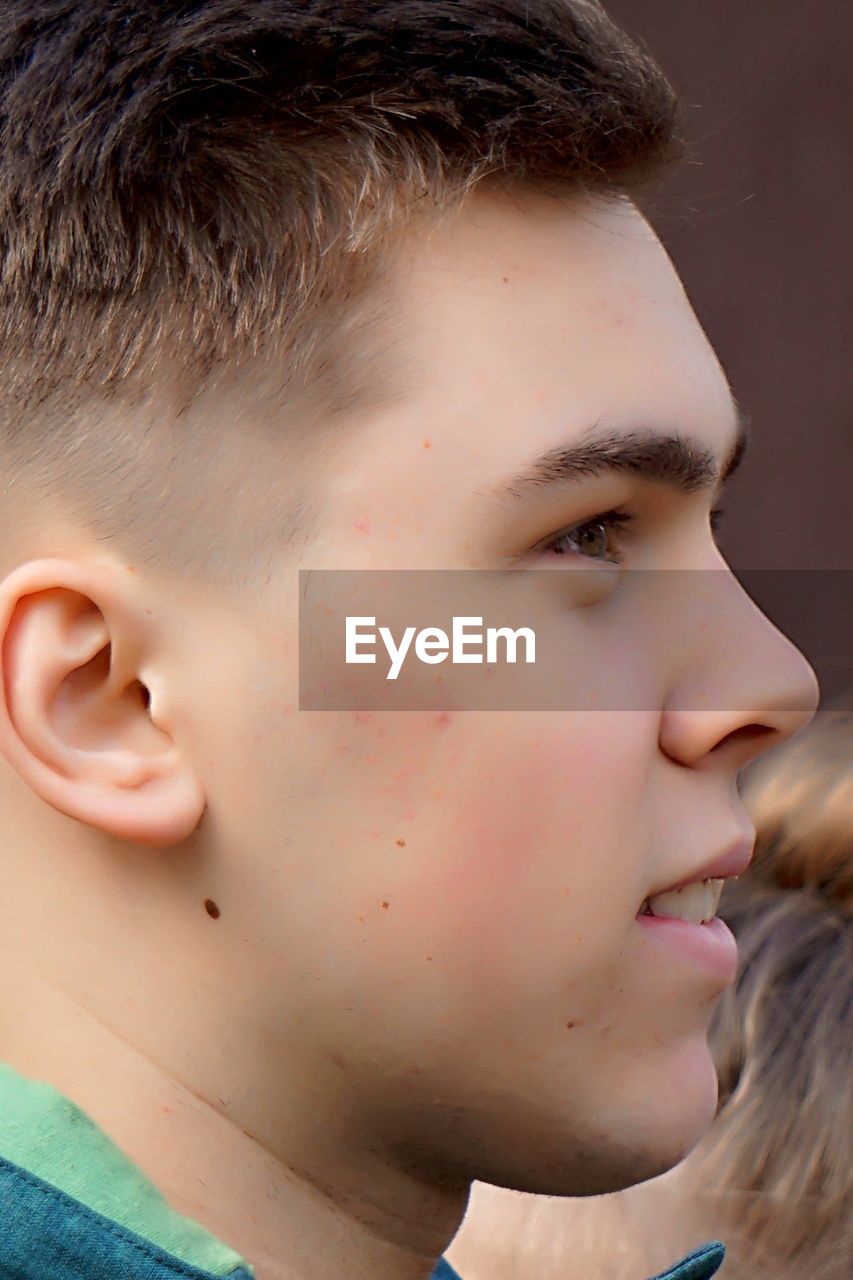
(211, 908)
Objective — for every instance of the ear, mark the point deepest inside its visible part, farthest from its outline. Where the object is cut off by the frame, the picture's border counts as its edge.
(80, 718)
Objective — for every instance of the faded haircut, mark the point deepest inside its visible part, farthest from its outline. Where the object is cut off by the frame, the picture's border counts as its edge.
(195, 199)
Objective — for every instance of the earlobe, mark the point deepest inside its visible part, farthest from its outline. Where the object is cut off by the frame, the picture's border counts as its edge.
(75, 719)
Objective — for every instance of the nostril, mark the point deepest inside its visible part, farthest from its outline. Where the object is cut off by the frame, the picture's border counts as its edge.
(746, 735)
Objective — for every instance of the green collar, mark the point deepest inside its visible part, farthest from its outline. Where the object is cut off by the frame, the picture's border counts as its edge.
(45, 1133)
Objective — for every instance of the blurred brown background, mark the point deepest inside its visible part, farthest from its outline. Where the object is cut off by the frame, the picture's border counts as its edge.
(760, 224)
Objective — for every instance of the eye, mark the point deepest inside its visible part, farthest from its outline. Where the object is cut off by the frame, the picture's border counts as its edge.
(595, 539)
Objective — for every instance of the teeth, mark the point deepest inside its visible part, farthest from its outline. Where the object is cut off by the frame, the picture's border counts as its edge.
(696, 903)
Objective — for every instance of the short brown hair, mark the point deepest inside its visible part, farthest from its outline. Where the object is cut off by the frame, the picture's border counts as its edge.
(185, 187)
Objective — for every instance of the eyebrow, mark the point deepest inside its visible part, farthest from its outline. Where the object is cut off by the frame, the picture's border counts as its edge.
(669, 458)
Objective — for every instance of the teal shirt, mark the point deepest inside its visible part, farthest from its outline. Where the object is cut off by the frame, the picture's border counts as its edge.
(701, 1264)
(74, 1207)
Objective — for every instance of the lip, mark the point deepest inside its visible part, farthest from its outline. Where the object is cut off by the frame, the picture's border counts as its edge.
(710, 946)
(733, 861)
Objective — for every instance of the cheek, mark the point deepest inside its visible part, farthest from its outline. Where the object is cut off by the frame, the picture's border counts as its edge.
(541, 833)
(501, 835)
(509, 839)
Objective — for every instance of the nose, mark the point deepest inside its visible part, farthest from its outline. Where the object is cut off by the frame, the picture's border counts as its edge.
(746, 687)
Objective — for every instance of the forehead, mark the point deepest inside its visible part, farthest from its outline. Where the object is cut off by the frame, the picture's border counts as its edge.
(538, 317)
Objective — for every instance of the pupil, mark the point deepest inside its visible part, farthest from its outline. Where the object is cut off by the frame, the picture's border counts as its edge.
(593, 538)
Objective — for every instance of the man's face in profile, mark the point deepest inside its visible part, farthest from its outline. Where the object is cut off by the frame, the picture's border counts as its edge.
(439, 913)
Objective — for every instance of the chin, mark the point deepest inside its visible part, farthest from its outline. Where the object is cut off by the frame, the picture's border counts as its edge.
(640, 1118)
(638, 1127)
(677, 1110)
(641, 1165)
(649, 1121)
(641, 1153)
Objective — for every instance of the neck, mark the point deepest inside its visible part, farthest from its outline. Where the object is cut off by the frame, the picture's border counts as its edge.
(208, 1129)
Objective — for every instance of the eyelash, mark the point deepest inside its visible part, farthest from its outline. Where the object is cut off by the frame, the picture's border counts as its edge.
(616, 520)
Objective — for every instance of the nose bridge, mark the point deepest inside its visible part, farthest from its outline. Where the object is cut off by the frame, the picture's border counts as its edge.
(738, 667)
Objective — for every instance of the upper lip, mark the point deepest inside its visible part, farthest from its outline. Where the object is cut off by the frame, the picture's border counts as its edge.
(733, 861)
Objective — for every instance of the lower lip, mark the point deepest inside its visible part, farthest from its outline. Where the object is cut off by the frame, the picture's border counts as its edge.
(708, 946)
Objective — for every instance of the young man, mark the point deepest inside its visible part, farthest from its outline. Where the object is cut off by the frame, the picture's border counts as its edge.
(347, 285)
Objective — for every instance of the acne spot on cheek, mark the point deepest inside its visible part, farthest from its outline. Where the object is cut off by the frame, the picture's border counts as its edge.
(574, 1022)
(505, 279)
(443, 718)
(427, 444)
(362, 717)
(361, 526)
(211, 908)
